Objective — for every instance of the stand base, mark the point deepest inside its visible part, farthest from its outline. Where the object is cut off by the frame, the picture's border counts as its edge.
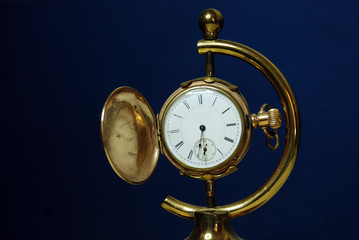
(212, 225)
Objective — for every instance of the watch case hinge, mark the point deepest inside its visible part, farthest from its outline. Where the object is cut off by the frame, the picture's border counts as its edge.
(159, 134)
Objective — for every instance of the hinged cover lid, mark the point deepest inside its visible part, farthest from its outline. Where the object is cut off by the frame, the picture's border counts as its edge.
(129, 135)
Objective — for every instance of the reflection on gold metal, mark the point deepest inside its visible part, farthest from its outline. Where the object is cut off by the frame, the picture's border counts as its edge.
(179, 208)
(129, 136)
(231, 86)
(210, 22)
(212, 225)
(230, 170)
(273, 119)
(271, 134)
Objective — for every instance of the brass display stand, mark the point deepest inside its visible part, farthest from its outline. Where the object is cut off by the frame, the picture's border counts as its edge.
(205, 148)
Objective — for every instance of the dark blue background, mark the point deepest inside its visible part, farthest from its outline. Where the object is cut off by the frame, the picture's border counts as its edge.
(61, 59)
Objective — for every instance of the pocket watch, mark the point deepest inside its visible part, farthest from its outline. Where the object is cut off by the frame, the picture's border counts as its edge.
(204, 129)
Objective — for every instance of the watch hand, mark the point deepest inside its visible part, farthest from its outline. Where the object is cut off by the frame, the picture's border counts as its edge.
(202, 139)
(200, 145)
(202, 128)
(204, 150)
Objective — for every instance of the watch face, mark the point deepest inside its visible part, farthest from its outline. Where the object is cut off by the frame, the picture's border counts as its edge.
(202, 128)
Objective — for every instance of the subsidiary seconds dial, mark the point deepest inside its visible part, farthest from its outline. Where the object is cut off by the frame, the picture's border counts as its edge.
(202, 128)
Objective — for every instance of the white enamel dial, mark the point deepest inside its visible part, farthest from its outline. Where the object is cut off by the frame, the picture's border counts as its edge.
(202, 128)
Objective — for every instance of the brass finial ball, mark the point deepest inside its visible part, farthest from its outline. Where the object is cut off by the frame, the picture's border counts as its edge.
(210, 22)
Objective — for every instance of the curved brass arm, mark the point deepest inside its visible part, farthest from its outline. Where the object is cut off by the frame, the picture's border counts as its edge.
(285, 166)
(180, 208)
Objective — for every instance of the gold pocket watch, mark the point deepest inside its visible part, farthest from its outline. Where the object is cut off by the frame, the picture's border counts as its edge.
(204, 129)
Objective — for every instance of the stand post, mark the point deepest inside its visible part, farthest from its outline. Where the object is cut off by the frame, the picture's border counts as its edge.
(213, 225)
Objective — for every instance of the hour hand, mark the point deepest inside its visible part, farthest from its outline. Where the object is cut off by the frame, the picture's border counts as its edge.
(202, 128)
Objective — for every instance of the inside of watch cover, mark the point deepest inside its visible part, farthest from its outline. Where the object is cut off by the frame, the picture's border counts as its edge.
(129, 135)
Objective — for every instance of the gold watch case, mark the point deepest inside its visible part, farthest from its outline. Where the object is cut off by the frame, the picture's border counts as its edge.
(129, 135)
(240, 103)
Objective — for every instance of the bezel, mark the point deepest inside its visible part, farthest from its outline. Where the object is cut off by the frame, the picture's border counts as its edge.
(246, 134)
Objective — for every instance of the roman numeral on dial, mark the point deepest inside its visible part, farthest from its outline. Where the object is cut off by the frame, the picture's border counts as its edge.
(186, 104)
(190, 155)
(178, 145)
(228, 139)
(214, 101)
(200, 100)
(225, 111)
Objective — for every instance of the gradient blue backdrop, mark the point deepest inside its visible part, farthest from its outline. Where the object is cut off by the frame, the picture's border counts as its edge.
(61, 59)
